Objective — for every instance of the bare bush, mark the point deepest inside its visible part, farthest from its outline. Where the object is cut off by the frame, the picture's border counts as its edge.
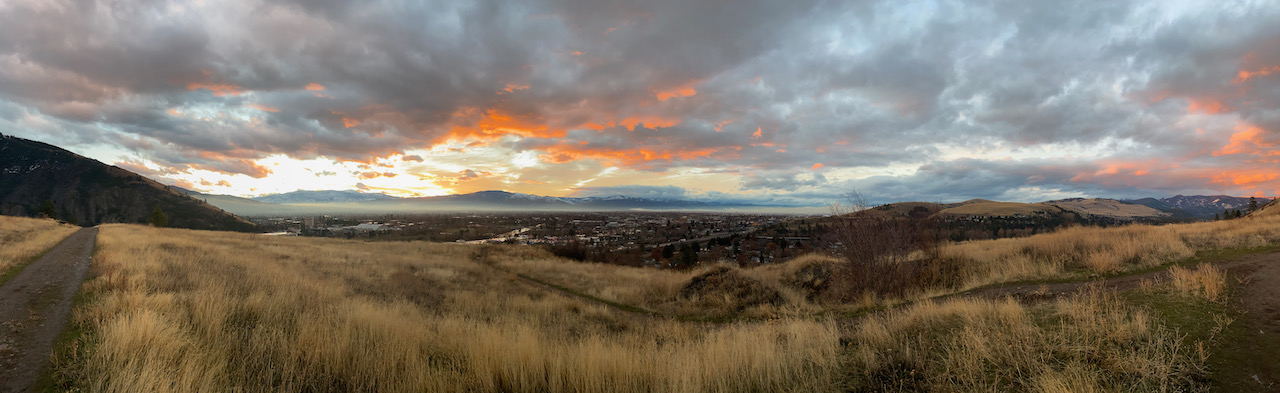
(887, 254)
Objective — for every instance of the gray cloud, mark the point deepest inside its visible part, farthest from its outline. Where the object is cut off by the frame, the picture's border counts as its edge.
(945, 87)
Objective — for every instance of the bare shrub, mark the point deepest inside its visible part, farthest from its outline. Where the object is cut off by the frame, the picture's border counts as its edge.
(888, 255)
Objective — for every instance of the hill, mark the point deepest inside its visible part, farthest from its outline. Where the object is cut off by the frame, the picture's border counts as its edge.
(1111, 208)
(982, 207)
(87, 192)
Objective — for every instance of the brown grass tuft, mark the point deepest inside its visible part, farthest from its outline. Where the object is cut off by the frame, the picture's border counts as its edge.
(1206, 281)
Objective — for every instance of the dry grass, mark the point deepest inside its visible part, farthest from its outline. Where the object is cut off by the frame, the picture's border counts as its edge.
(991, 208)
(1109, 208)
(1088, 343)
(22, 239)
(1080, 252)
(179, 310)
(659, 289)
(1206, 281)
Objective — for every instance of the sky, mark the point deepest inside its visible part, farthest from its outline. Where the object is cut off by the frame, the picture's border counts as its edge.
(787, 102)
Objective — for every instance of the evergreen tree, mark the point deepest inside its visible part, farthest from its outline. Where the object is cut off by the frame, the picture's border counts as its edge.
(688, 256)
(157, 218)
(1253, 204)
(668, 251)
(47, 209)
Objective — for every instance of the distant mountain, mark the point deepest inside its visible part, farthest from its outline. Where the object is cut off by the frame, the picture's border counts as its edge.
(303, 196)
(87, 192)
(348, 202)
(233, 204)
(1198, 206)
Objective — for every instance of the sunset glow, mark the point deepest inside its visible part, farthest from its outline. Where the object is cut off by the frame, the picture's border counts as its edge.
(787, 102)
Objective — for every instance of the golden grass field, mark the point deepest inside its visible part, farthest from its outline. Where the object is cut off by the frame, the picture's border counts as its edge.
(181, 310)
(1081, 252)
(26, 238)
(1108, 207)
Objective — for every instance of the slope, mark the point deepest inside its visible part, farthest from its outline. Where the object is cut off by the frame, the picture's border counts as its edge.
(87, 192)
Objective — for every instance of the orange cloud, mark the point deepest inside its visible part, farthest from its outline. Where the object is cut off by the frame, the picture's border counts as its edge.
(720, 126)
(684, 90)
(1248, 139)
(631, 157)
(314, 87)
(263, 108)
(1247, 178)
(218, 89)
(1209, 106)
(757, 134)
(1245, 75)
(816, 166)
(1124, 172)
(631, 122)
(232, 166)
(494, 123)
(514, 87)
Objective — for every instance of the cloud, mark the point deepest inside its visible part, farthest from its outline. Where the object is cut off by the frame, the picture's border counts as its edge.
(907, 99)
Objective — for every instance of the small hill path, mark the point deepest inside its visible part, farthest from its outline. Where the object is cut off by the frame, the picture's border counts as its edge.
(1254, 350)
(34, 307)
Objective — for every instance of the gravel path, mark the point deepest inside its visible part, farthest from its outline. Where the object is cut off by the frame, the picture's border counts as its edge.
(34, 307)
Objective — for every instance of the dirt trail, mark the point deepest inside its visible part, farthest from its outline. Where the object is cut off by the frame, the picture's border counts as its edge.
(34, 307)
(1254, 352)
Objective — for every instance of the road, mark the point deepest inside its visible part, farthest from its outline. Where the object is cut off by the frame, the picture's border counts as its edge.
(34, 307)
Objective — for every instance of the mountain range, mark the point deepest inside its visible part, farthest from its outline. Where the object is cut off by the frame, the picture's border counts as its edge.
(1177, 208)
(1198, 206)
(347, 202)
(37, 177)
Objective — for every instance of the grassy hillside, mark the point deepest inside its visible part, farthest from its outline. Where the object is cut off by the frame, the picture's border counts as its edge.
(979, 207)
(1108, 208)
(180, 310)
(24, 239)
